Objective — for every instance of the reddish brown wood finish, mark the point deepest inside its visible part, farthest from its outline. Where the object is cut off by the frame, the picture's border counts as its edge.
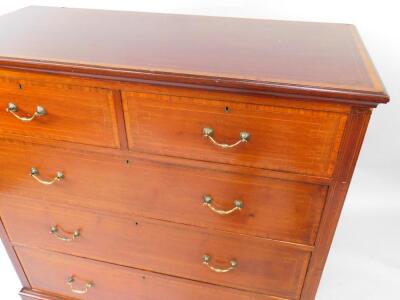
(305, 90)
(291, 101)
(74, 113)
(285, 139)
(273, 268)
(29, 294)
(276, 209)
(120, 120)
(49, 271)
(11, 253)
(272, 56)
(351, 146)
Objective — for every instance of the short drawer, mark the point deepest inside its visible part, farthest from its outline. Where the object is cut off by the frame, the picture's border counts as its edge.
(53, 272)
(296, 140)
(271, 208)
(246, 263)
(58, 111)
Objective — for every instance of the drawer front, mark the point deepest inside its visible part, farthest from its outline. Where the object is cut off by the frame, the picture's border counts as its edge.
(286, 139)
(28, 294)
(50, 271)
(72, 113)
(262, 266)
(275, 209)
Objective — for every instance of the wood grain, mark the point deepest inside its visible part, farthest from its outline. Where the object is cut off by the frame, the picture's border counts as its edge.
(232, 95)
(49, 271)
(75, 114)
(285, 139)
(263, 266)
(127, 103)
(29, 294)
(273, 56)
(12, 255)
(275, 209)
(350, 150)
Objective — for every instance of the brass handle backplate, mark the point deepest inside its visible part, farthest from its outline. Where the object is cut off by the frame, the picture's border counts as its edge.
(207, 201)
(209, 133)
(13, 109)
(55, 230)
(207, 262)
(85, 290)
(35, 174)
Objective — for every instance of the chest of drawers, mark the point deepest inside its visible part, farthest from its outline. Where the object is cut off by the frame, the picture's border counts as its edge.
(150, 156)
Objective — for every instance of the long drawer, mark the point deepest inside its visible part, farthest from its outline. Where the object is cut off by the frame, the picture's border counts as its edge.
(58, 111)
(61, 274)
(247, 263)
(276, 209)
(279, 138)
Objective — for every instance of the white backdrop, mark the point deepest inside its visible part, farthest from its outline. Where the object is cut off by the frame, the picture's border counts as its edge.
(365, 259)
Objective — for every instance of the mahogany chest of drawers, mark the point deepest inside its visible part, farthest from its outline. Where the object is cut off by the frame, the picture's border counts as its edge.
(151, 156)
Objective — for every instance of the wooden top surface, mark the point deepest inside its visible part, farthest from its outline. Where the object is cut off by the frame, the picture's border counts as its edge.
(319, 59)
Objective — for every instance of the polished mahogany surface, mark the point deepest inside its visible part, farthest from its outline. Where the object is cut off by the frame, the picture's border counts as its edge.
(68, 109)
(285, 139)
(123, 183)
(265, 266)
(305, 58)
(276, 209)
(50, 271)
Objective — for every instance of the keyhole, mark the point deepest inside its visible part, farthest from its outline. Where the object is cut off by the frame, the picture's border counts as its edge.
(226, 109)
(20, 86)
